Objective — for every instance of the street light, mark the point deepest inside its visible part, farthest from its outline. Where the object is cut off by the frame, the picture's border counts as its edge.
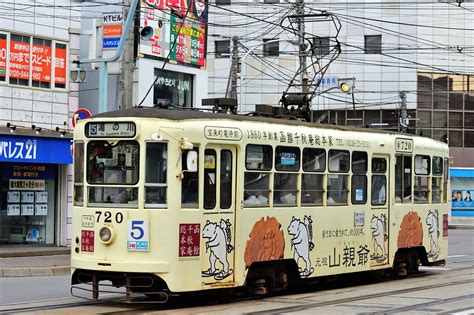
(242, 68)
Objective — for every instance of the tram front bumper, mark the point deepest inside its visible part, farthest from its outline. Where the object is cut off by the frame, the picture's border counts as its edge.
(120, 266)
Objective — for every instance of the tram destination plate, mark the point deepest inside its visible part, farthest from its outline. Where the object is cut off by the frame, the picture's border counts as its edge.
(110, 130)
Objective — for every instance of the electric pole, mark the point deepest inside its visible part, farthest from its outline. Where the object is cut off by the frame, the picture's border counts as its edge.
(231, 90)
(302, 46)
(403, 112)
(126, 73)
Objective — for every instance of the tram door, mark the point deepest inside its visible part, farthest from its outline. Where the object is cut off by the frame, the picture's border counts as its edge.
(218, 230)
(379, 217)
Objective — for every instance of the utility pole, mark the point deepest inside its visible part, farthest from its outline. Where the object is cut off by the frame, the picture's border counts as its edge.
(302, 46)
(126, 74)
(231, 90)
(403, 112)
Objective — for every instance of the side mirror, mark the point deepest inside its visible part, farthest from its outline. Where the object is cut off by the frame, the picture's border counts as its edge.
(192, 161)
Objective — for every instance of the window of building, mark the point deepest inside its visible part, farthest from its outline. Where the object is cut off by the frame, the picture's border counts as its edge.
(156, 174)
(190, 181)
(19, 72)
(403, 171)
(359, 178)
(321, 46)
(222, 48)
(337, 184)
(379, 181)
(60, 65)
(173, 89)
(41, 64)
(271, 49)
(3, 57)
(373, 44)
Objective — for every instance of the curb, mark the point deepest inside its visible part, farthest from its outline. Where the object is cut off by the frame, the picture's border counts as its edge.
(35, 272)
(461, 226)
(46, 252)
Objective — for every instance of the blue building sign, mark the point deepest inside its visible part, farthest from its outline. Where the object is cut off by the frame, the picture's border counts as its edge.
(110, 42)
(35, 150)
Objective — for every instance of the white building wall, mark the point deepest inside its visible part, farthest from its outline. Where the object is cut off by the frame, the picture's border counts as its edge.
(48, 108)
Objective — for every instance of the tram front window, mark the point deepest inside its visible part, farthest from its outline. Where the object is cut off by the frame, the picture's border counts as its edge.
(108, 167)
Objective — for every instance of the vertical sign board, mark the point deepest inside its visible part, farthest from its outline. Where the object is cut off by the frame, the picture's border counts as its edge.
(41, 63)
(181, 35)
(111, 30)
(3, 55)
(60, 65)
(19, 60)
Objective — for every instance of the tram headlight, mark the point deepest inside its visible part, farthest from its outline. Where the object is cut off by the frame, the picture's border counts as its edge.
(106, 235)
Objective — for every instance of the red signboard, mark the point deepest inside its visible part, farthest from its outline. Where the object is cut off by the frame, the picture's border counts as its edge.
(189, 237)
(19, 60)
(41, 63)
(3, 57)
(60, 66)
(87, 241)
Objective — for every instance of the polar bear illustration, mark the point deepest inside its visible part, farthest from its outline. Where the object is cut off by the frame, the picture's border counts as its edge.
(218, 242)
(302, 235)
(433, 232)
(379, 235)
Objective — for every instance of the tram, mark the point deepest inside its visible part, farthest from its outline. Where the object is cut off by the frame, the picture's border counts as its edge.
(172, 201)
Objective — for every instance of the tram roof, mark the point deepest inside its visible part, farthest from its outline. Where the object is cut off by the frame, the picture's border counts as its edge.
(181, 115)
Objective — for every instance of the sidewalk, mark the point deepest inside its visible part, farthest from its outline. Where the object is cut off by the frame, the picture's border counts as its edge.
(32, 261)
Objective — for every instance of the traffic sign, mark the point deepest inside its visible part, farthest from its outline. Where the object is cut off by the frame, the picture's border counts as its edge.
(81, 113)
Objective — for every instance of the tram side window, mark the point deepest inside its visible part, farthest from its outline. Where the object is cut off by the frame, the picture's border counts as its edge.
(258, 162)
(226, 179)
(190, 181)
(210, 169)
(422, 172)
(287, 160)
(379, 181)
(359, 177)
(155, 174)
(403, 184)
(314, 162)
(337, 185)
(437, 179)
(78, 173)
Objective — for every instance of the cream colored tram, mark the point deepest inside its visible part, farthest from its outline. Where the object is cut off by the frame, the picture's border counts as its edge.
(170, 201)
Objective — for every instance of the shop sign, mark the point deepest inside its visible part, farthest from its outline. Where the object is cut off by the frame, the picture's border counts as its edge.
(41, 63)
(19, 60)
(60, 65)
(40, 150)
(27, 184)
(28, 171)
(3, 57)
(181, 35)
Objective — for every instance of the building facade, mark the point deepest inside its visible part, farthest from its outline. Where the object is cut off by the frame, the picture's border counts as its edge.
(407, 63)
(38, 42)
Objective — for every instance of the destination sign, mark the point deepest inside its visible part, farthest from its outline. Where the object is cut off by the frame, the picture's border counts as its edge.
(110, 130)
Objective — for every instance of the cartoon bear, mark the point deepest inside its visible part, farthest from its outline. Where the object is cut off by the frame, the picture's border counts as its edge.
(301, 240)
(216, 242)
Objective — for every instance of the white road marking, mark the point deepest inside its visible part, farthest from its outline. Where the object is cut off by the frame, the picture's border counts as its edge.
(468, 312)
(456, 256)
(434, 268)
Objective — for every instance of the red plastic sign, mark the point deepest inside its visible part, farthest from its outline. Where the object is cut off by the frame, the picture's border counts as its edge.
(189, 237)
(19, 60)
(3, 57)
(41, 63)
(87, 241)
(60, 66)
